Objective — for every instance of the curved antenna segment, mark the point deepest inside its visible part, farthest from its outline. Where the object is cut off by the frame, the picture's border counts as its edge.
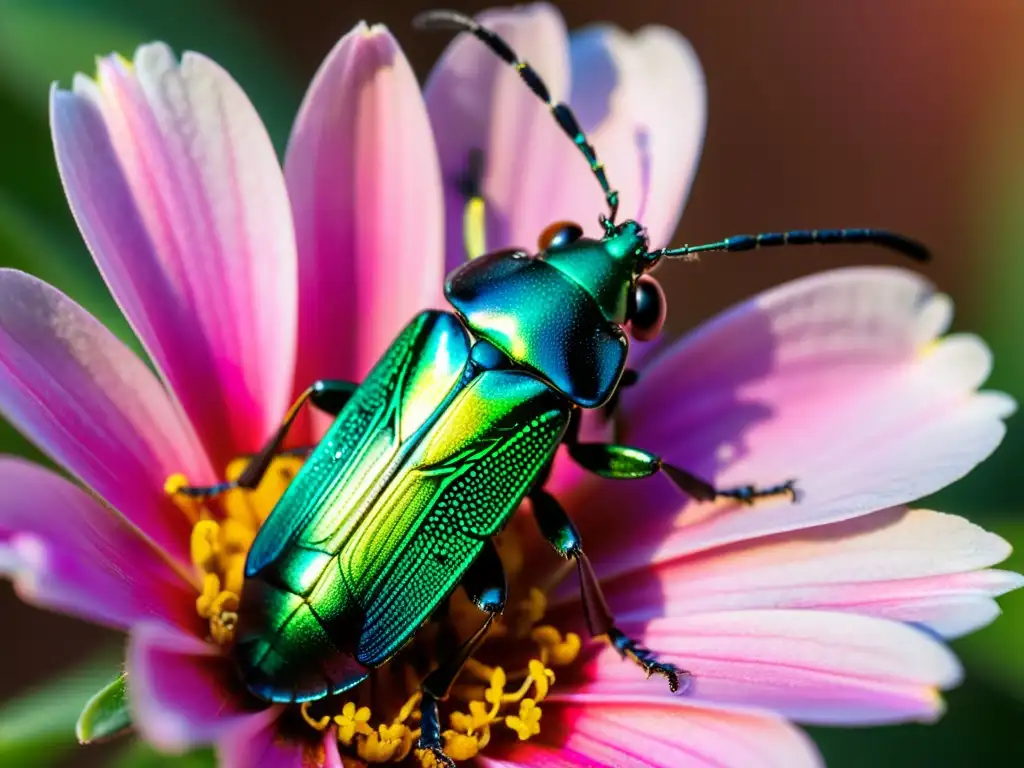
(452, 20)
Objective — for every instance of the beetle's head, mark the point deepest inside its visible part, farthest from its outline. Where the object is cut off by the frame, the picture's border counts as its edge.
(565, 311)
(612, 271)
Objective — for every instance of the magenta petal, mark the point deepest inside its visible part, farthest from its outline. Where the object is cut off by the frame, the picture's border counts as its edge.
(66, 551)
(365, 187)
(88, 402)
(603, 731)
(182, 690)
(176, 188)
(811, 666)
(258, 743)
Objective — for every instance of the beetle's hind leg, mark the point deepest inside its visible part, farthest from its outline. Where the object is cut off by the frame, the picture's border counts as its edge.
(560, 532)
(329, 395)
(485, 585)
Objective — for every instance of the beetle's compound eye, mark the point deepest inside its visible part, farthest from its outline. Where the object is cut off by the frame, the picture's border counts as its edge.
(647, 309)
(559, 235)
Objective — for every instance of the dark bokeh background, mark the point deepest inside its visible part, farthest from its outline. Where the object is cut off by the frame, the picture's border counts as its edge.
(904, 114)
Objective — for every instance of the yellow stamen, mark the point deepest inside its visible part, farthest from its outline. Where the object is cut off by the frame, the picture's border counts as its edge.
(352, 721)
(527, 722)
(189, 506)
(319, 725)
(531, 611)
(384, 744)
(223, 531)
(928, 349)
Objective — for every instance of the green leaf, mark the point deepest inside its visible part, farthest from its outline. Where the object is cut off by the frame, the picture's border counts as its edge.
(994, 653)
(39, 726)
(141, 755)
(46, 41)
(106, 714)
(27, 245)
(980, 727)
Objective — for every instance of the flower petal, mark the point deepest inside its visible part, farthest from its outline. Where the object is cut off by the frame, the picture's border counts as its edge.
(909, 565)
(67, 552)
(811, 666)
(182, 690)
(639, 98)
(477, 102)
(88, 402)
(365, 187)
(178, 193)
(602, 731)
(832, 380)
(645, 95)
(259, 743)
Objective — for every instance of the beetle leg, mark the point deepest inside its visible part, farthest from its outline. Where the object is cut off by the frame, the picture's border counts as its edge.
(485, 585)
(328, 395)
(623, 462)
(560, 532)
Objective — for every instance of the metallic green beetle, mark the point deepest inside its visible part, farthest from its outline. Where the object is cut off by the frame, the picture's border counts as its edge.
(456, 424)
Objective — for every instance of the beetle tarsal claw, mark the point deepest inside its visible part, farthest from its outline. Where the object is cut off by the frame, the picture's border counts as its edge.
(677, 678)
(750, 494)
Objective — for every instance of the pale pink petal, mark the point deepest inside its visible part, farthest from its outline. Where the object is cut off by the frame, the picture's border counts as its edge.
(332, 757)
(601, 731)
(951, 606)
(645, 96)
(365, 187)
(675, 114)
(911, 565)
(88, 402)
(178, 193)
(65, 551)
(183, 691)
(258, 743)
(832, 380)
(639, 98)
(478, 102)
(811, 666)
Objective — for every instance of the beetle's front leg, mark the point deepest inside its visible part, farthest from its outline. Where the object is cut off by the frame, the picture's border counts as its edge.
(623, 462)
(328, 395)
(485, 585)
(560, 532)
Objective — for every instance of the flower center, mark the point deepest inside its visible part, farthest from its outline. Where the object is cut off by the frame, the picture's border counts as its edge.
(486, 700)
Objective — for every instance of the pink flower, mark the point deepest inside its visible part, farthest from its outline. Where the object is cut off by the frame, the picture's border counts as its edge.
(812, 612)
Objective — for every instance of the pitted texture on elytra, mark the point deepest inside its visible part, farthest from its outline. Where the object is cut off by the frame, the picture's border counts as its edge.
(499, 475)
(316, 536)
(359, 536)
(438, 516)
(323, 478)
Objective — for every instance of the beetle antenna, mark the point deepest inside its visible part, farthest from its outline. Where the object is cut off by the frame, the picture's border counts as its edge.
(880, 237)
(563, 114)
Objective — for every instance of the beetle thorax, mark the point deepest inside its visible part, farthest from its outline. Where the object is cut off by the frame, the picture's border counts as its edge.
(607, 268)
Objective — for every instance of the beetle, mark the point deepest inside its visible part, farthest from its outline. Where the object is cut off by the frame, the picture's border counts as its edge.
(456, 424)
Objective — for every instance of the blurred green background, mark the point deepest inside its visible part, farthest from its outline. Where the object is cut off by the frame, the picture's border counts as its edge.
(905, 114)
